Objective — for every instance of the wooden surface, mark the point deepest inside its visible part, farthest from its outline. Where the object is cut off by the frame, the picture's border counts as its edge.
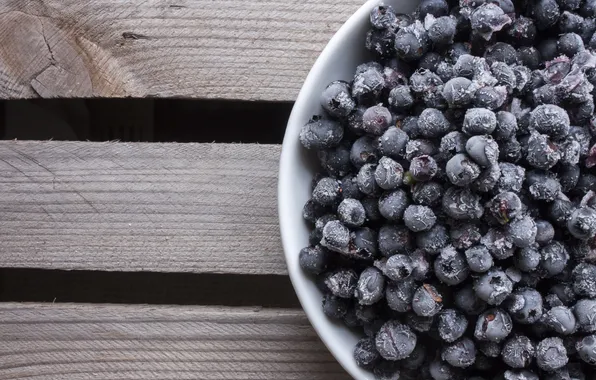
(232, 49)
(80, 342)
(203, 208)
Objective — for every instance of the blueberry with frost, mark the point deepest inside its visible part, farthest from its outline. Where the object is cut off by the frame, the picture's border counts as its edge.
(551, 120)
(505, 206)
(522, 231)
(467, 301)
(546, 13)
(584, 280)
(427, 193)
(585, 314)
(451, 267)
(586, 349)
(419, 218)
(336, 236)
(388, 174)
(451, 325)
(520, 375)
(399, 295)
(493, 325)
(432, 123)
(493, 287)
(582, 223)
(376, 120)
(368, 85)
(460, 354)
(488, 19)
(499, 243)
(459, 92)
(412, 42)
(336, 99)
(393, 142)
(366, 354)
(522, 31)
(400, 98)
(366, 180)
(561, 320)
(313, 260)
(559, 211)
(527, 259)
(433, 240)
(542, 153)
(483, 150)
(530, 57)
(427, 301)
(442, 30)
(336, 161)
(383, 17)
(461, 170)
(542, 185)
(370, 287)
(452, 143)
(479, 259)
(518, 352)
(321, 134)
(394, 239)
(335, 307)
(431, 60)
(423, 168)
(351, 213)
(365, 150)
(393, 204)
(422, 81)
(419, 147)
(380, 42)
(512, 177)
(490, 97)
(363, 244)
(465, 235)
(570, 44)
(551, 354)
(420, 265)
(418, 323)
(501, 52)
(568, 176)
(525, 306)
(327, 192)
(479, 121)
(554, 258)
(395, 341)
(437, 8)
(398, 267)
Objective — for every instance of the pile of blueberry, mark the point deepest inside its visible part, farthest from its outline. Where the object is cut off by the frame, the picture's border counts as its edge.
(454, 219)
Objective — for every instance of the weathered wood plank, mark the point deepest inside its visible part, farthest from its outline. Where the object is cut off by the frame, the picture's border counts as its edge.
(205, 208)
(62, 341)
(233, 49)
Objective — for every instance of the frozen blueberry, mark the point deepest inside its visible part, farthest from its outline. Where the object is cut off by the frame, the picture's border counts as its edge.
(467, 301)
(493, 287)
(459, 92)
(394, 239)
(542, 153)
(432, 123)
(313, 260)
(461, 170)
(436, 8)
(382, 17)
(554, 258)
(342, 283)
(366, 180)
(399, 295)
(582, 223)
(366, 354)
(337, 99)
(518, 352)
(427, 301)
(427, 193)
(483, 150)
(525, 305)
(529, 56)
(433, 240)
(376, 120)
(584, 280)
(487, 180)
(363, 244)
(568, 176)
(423, 81)
(335, 307)
(451, 325)
(527, 259)
(569, 44)
(505, 206)
(479, 121)
(546, 13)
(371, 286)
(431, 60)
(510, 150)
(364, 151)
(412, 42)
(490, 97)
(487, 19)
(560, 319)
(499, 243)
(479, 259)
(551, 120)
(501, 52)
(564, 293)
(451, 144)
(465, 235)
(450, 266)
(520, 375)
(368, 84)
(460, 354)
(585, 314)
(351, 213)
(586, 349)
(392, 143)
(419, 218)
(400, 98)
(551, 354)
(512, 177)
(336, 236)
(423, 168)
(420, 265)
(398, 267)
(393, 204)
(321, 133)
(493, 325)
(389, 174)
(522, 31)
(542, 185)
(418, 323)
(522, 231)
(462, 204)
(395, 341)
(336, 161)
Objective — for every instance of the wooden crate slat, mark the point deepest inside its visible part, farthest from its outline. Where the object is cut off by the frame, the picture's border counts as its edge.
(203, 208)
(91, 341)
(232, 49)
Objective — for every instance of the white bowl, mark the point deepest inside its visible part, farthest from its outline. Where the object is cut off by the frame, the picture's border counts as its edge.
(338, 60)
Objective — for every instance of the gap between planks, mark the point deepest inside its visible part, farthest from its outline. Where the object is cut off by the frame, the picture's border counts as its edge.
(201, 208)
(109, 342)
(231, 49)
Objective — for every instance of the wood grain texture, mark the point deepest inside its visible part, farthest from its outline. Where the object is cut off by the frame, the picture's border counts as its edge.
(81, 342)
(203, 208)
(232, 49)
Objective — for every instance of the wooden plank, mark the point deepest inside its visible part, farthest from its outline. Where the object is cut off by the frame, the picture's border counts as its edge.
(233, 49)
(203, 208)
(62, 342)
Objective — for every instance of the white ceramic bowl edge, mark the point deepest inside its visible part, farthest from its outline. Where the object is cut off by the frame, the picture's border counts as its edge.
(338, 60)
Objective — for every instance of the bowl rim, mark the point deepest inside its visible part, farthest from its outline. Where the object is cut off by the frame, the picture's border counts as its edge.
(286, 158)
